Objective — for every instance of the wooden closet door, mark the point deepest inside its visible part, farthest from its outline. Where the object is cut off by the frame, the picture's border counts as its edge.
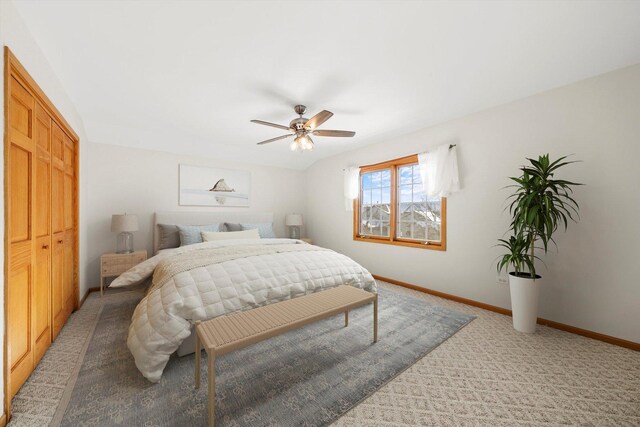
(41, 220)
(42, 226)
(68, 209)
(20, 235)
(59, 311)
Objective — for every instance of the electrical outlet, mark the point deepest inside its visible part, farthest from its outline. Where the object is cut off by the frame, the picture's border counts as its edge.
(502, 280)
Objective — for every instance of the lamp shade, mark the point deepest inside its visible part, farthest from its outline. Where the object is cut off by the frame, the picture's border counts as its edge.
(293, 220)
(124, 223)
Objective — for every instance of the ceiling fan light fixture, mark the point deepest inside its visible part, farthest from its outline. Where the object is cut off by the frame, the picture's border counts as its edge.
(307, 143)
(302, 143)
(299, 143)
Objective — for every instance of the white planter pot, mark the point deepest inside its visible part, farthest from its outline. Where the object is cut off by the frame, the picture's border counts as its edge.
(525, 293)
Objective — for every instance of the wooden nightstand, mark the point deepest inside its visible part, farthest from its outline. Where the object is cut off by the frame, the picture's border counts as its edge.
(307, 240)
(113, 264)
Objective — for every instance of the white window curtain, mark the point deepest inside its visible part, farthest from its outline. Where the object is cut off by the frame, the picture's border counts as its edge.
(351, 186)
(439, 171)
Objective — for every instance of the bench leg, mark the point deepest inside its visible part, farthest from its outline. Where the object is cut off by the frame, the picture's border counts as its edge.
(197, 358)
(211, 369)
(375, 319)
(346, 319)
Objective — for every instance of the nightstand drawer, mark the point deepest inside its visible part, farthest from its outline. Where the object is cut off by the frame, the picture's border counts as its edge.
(116, 269)
(125, 258)
(116, 264)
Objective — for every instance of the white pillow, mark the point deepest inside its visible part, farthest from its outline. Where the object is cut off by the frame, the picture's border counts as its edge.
(210, 236)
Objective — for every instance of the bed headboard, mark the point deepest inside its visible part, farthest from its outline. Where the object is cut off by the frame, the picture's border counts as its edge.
(205, 218)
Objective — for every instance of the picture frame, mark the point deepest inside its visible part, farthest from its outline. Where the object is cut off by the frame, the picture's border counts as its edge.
(213, 186)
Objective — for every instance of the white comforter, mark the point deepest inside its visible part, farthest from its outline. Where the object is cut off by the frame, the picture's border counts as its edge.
(162, 320)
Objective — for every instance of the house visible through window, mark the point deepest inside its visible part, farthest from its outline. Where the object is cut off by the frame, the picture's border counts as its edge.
(394, 209)
(375, 211)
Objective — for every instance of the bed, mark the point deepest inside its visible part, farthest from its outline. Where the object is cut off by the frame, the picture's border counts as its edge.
(210, 279)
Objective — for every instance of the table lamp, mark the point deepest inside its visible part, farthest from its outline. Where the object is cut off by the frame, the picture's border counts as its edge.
(294, 221)
(124, 225)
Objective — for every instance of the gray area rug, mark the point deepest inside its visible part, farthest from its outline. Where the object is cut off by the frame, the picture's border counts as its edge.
(308, 377)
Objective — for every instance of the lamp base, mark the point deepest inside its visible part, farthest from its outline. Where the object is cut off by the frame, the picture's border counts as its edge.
(124, 243)
(295, 232)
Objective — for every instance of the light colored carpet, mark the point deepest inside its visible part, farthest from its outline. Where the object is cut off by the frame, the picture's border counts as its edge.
(486, 374)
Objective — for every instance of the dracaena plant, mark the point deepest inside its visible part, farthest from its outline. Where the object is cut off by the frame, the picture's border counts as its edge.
(540, 204)
(516, 254)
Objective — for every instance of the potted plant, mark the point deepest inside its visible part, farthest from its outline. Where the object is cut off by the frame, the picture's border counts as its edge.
(538, 206)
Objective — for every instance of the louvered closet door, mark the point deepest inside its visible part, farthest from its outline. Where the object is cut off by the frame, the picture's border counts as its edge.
(20, 235)
(59, 310)
(42, 227)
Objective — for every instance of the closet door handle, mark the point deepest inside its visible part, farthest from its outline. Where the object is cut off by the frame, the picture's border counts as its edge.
(60, 241)
(45, 246)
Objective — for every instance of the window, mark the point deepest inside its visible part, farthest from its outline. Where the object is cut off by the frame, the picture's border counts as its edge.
(375, 210)
(393, 209)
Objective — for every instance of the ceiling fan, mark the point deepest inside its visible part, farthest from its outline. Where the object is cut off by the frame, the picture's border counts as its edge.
(301, 128)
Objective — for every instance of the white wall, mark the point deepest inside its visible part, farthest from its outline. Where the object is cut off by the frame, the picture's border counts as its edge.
(592, 282)
(14, 33)
(142, 182)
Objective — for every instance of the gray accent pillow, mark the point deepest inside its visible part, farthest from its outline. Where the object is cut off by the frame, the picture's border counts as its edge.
(168, 236)
(190, 234)
(232, 227)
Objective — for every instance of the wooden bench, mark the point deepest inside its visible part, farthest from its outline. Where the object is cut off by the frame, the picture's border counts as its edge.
(238, 330)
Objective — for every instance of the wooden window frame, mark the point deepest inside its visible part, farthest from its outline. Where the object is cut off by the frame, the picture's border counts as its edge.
(393, 165)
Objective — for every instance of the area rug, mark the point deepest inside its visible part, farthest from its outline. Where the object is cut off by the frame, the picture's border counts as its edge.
(307, 377)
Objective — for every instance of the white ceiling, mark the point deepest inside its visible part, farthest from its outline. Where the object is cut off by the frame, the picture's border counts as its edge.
(187, 77)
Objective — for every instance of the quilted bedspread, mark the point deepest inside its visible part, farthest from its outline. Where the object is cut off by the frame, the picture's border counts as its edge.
(227, 283)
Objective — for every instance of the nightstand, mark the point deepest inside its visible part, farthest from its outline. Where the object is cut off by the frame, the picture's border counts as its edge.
(307, 240)
(113, 264)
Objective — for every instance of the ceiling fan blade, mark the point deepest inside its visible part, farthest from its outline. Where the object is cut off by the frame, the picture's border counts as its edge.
(275, 139)
(318, 119)
(273, 125)
(339, 133)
